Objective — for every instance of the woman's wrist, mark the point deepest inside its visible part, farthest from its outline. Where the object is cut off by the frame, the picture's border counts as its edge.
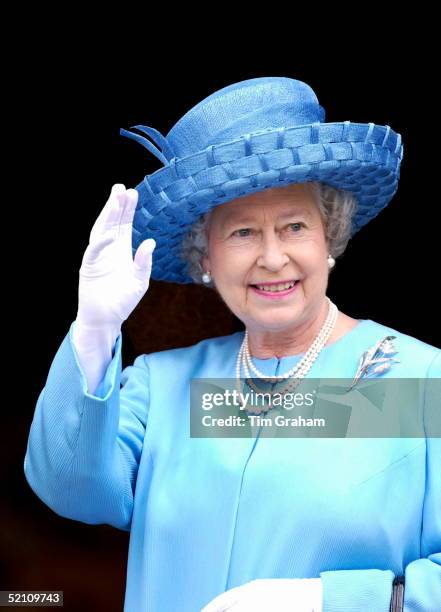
(89, 337)
(94, 348)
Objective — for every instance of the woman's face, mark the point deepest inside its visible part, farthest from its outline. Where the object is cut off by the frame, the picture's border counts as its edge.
(273, 235)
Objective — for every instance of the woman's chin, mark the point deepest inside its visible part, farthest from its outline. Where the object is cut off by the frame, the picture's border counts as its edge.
(276, 321)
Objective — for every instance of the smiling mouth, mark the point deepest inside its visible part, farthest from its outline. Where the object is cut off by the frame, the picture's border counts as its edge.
(276, 288)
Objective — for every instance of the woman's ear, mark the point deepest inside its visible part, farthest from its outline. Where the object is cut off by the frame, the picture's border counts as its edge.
(205, 263)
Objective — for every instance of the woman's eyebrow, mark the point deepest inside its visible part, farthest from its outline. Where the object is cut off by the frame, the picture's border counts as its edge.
(294, 212)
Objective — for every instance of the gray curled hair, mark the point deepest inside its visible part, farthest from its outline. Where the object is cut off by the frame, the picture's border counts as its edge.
(336, 206)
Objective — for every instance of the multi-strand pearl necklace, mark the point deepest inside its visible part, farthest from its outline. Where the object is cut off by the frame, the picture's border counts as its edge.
(299, 371)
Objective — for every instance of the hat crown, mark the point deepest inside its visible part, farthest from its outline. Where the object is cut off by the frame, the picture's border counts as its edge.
(244, 108)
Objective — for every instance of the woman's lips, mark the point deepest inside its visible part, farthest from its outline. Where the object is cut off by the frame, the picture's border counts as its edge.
(274, 295)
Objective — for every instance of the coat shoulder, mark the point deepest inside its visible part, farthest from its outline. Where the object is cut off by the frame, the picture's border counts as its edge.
(206, 349)
(411, 349)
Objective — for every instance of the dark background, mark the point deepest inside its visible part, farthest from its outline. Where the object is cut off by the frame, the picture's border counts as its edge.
(389, 272)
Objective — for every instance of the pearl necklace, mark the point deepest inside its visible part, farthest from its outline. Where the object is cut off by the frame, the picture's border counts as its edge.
(300, 370)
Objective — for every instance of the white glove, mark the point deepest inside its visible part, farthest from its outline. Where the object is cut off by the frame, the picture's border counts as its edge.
(111, 283)
(271, 595)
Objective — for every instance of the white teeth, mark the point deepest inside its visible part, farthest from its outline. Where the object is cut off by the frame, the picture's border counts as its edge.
(273, 288)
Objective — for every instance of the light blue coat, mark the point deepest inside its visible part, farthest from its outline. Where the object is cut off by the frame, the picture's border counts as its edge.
(208, 514)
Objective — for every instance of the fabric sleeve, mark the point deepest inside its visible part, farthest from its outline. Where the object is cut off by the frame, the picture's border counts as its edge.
(371, 589)
(83, 450)
(422, 590)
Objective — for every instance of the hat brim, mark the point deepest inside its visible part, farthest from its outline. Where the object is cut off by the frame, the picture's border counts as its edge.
(361, 158)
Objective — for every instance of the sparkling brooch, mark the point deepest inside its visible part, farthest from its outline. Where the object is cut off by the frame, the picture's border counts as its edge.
(376, 360)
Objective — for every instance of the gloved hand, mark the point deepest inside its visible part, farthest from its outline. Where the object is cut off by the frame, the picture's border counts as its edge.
(271, 595)
(111, 282)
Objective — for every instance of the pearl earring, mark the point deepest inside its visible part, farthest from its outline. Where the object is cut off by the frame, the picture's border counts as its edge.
(331, 262)
(206, 277)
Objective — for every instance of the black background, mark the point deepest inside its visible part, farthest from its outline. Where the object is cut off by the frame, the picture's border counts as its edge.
(70, 160)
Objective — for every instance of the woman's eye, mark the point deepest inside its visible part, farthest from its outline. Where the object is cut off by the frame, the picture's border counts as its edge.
(240, 233)
(296, 226)
(247, 231)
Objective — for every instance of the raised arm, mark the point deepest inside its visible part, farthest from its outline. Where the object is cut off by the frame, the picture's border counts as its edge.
(87, 433)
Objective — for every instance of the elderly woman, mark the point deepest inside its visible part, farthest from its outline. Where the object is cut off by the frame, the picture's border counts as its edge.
(256, 199)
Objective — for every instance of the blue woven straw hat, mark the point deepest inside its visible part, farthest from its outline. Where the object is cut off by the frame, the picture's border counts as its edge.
(249, 136)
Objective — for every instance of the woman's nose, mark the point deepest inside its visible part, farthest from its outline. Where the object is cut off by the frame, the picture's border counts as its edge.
(272, 254)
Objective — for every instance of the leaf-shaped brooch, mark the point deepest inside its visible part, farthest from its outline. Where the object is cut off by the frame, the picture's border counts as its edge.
(376, 360)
